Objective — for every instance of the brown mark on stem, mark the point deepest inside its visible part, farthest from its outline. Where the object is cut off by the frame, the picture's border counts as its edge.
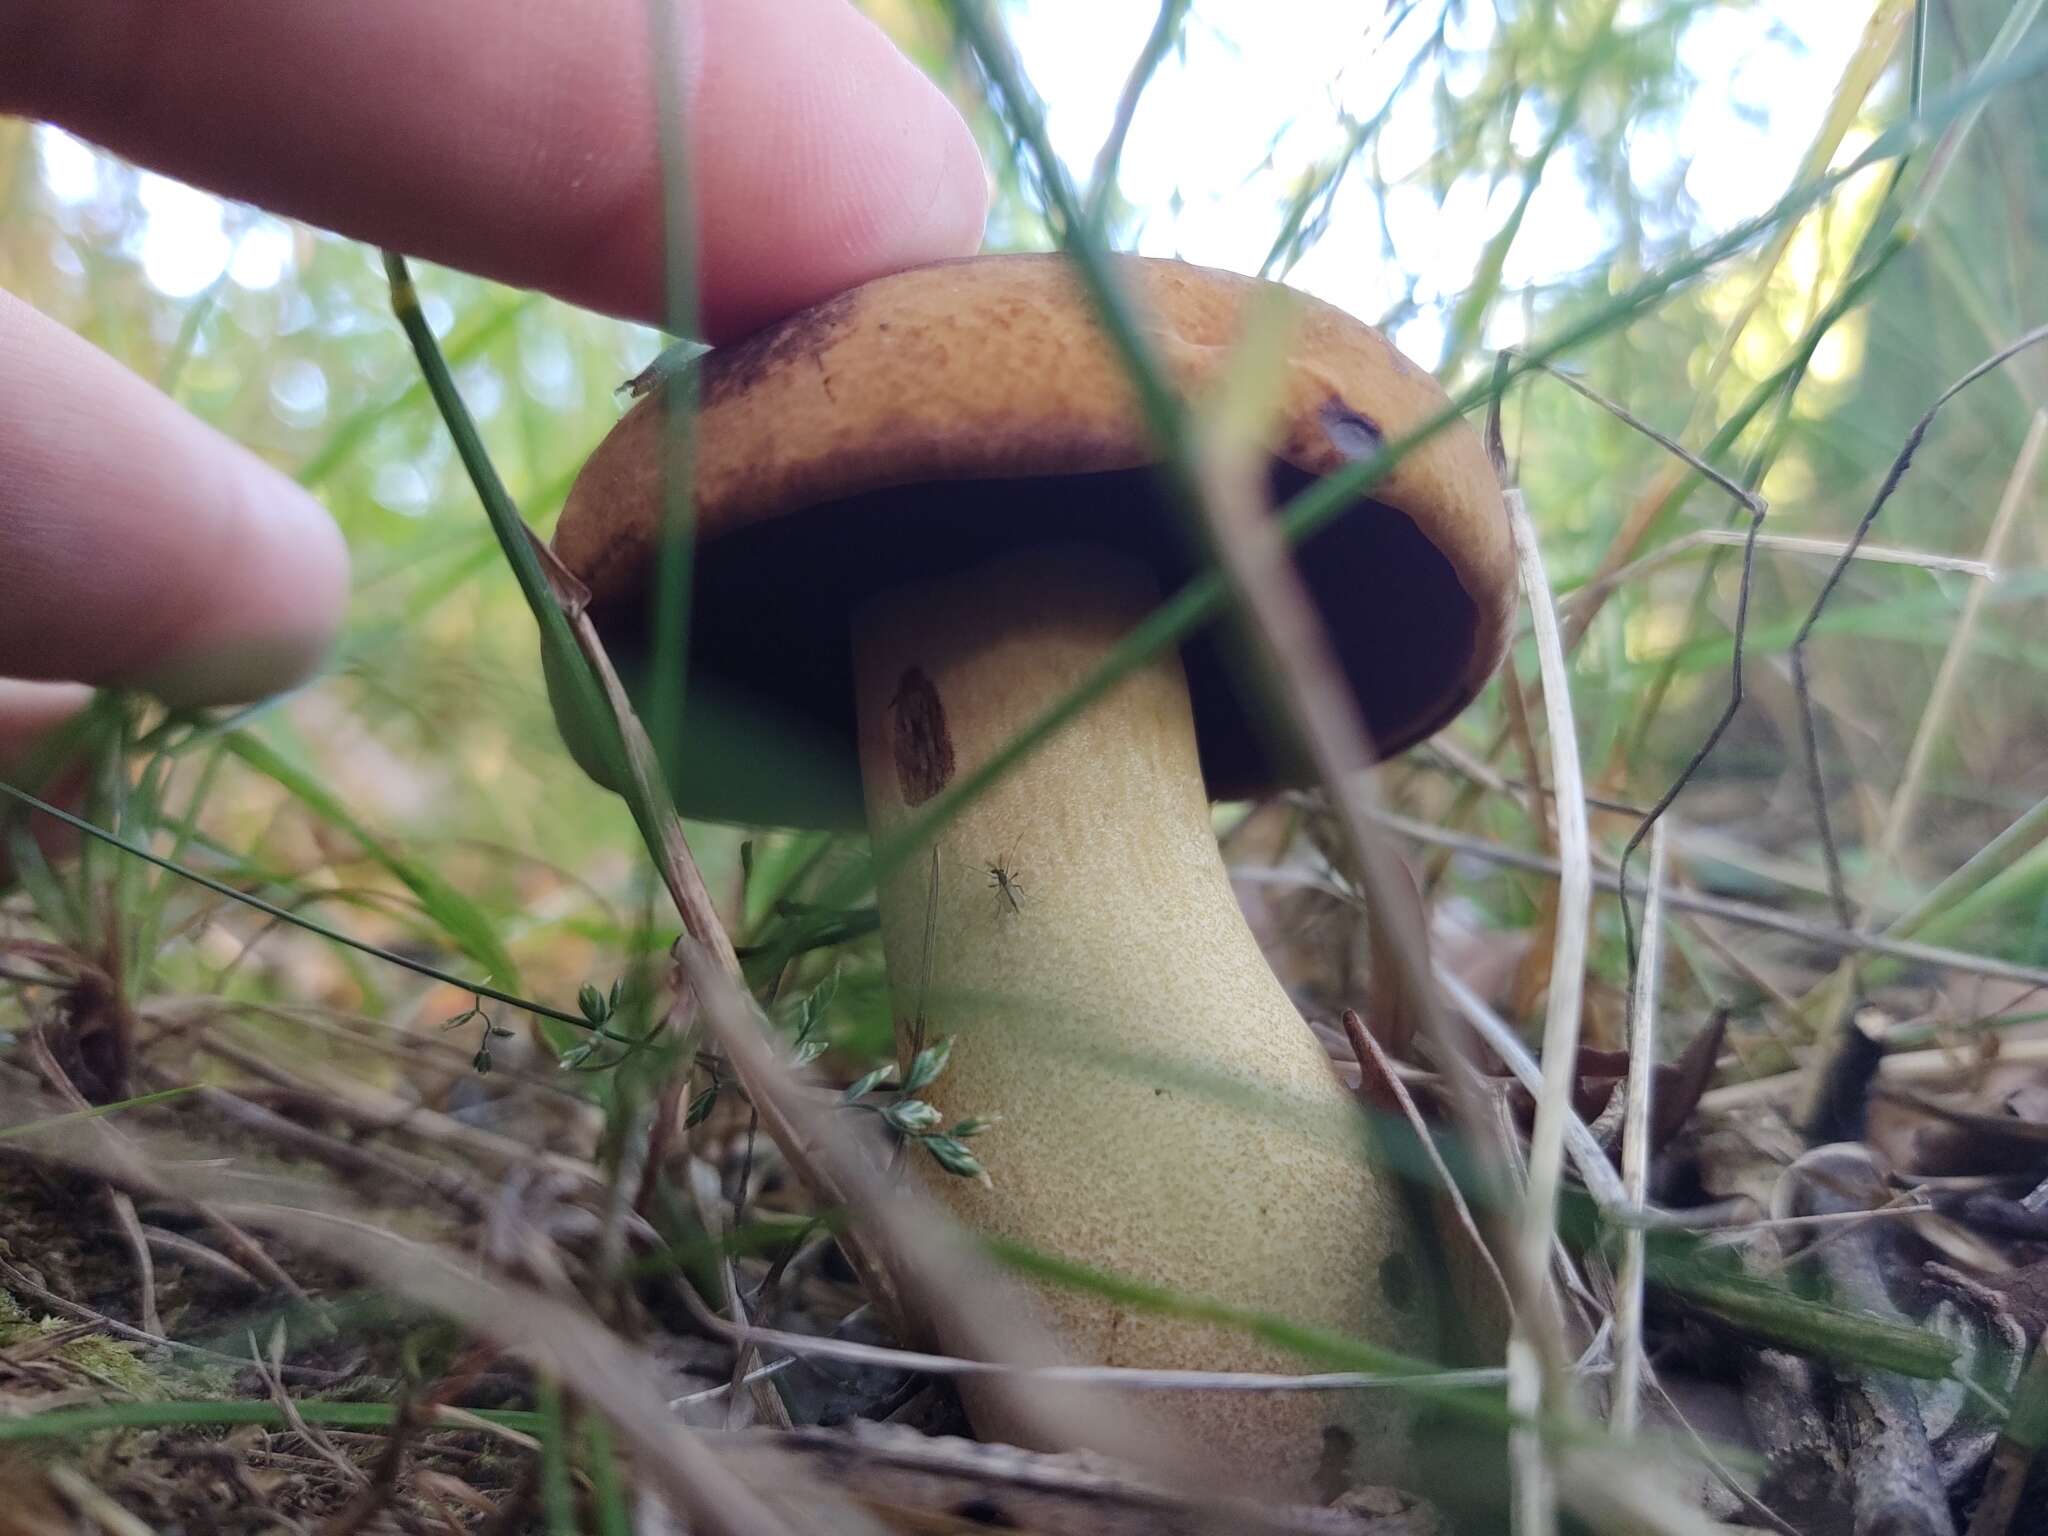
(924, 747)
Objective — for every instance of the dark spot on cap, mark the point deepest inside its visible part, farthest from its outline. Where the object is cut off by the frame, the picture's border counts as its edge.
(1397, 1280)
(727, 371)
(1351, 433)
(984, 1512)
(924, 747)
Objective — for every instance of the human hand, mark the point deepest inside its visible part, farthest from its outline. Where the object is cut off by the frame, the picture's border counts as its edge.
(512, 138)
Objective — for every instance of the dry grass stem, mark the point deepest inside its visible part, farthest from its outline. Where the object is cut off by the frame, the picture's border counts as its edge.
(1748, 914)
(1635, 1147)
(1934, 718)
(1531, 1366)
(1782, 543)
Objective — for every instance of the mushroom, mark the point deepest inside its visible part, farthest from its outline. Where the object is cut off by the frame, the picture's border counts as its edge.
(927, 509)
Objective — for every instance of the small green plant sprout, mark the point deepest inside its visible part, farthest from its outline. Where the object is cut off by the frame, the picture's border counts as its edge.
(912, 1120)
(811, 1010)
(493, 1030)
(599, 1009)
(702, 1105)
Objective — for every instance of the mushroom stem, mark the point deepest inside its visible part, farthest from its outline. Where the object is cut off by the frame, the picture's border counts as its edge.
(1165, 1114)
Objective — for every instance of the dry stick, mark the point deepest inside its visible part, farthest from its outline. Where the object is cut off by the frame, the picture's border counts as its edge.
(173, 1245)
(1635, 1150)
(94, 1501)
(1724, 909)
(1368, 1050)
(1893, 1478)
(1934, 718)
(1816, 786)
(1531, 1376)
(269, 1371)
(1722, 1473)
(20, 1282)
(390, 1171)
(382, 1112)
(766, 1089)
(138, 1245)
(1603, 1185)
(1124, 1378)
(1784, 543)
(1757, 510)
(582, 1353)
(124, 1156)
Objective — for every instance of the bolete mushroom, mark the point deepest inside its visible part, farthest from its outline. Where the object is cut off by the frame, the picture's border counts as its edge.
(926, 509)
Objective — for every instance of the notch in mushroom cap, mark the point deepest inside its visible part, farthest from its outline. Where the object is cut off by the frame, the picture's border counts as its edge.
(953, 413)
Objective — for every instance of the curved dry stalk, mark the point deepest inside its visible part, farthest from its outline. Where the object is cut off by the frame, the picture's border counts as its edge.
(1934, 718)
(1808, 729)
(1635, 1149)
(1722, 908)
(1532, 1368)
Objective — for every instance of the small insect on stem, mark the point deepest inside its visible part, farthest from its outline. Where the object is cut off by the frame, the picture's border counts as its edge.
(1008, 888)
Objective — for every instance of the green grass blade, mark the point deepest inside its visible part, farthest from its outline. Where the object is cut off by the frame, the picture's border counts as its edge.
(455, 914)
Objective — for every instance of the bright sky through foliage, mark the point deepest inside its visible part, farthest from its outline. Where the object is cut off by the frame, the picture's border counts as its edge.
(1260, 97)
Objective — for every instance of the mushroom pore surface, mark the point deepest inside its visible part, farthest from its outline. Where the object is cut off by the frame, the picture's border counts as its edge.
(1166, 1116)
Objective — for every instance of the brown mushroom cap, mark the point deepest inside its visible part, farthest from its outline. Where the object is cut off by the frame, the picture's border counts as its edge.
(951, 413)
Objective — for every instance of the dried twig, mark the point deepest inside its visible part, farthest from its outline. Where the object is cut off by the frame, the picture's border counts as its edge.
(175, 1245)
(269, 1368)
(1371, 1058)
(138, 1246)
(1595, 1170)
(1892, 1475)
(123, 1156)
(1124, 1378)
(1825, 935)
(1783, 543)
(1533, 1381)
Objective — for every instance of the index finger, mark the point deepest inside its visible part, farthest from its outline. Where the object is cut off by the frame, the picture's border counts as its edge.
(517, 138)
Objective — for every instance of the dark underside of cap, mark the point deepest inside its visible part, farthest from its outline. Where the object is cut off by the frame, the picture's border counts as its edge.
(769, 731)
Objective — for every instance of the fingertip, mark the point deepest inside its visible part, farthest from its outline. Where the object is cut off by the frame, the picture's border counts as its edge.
(824, 158)
(31, 711)
(953, 222)
(288, 567)
(140, 548)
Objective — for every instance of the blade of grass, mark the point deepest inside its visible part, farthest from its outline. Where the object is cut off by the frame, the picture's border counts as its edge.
(455, 914)
(342, 446)
(283, 915)
(1165, 34)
